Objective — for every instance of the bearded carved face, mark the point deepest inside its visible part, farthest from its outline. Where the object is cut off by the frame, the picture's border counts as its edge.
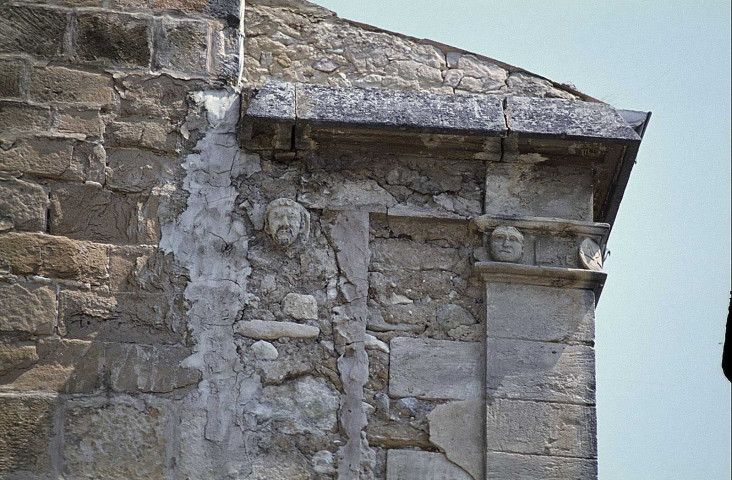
(285, 221)
(506, 244)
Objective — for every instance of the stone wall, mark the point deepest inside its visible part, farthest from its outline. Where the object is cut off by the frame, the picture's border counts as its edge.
(154, 325)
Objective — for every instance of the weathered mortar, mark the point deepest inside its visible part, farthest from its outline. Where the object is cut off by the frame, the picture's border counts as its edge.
(154, 323)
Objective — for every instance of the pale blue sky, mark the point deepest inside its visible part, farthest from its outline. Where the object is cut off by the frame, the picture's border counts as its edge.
(663, 403)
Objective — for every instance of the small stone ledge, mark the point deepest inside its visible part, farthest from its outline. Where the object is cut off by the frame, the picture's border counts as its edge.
(544, 276)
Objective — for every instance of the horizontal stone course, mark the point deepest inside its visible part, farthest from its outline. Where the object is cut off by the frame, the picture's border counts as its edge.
(51, 256)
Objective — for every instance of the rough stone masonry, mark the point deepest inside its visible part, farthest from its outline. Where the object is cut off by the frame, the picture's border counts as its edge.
(258, 241)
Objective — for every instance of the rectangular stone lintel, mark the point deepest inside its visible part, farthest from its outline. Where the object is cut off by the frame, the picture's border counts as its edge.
(576, 278)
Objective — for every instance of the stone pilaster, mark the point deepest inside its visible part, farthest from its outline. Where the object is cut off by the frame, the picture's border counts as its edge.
(540, 371)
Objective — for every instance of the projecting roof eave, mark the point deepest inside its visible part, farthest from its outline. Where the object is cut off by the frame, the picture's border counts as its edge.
(289, 117)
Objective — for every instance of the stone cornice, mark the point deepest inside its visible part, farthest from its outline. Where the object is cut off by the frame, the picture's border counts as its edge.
(543, 276)
(289, 119)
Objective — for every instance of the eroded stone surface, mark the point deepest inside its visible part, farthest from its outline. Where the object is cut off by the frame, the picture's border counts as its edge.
(532, 312)
(435, 369)
(510, 466)
(120, 440)
(546, 428)
(457, 429)
(27, 308)
(300, 307)
(417, 465)
(25, 422)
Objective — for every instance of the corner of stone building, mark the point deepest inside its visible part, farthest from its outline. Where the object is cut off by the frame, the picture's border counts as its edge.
(180, 304)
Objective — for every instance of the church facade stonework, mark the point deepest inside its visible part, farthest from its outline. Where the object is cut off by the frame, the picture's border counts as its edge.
(258, 241)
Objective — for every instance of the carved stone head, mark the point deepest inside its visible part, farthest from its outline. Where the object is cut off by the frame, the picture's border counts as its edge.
(506, 244)
(285, 220)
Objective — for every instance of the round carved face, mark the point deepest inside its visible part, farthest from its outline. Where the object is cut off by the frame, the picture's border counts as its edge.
(506, 244)
(284, 225)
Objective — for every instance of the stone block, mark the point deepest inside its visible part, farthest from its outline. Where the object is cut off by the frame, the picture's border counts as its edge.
(456, 428)
(22, 118)
(156, 96)
(27, 308)
(23, 203)
(158, 135)
(435, 369)
(55, 158)
(303, 405)
(64, 366)
(16, 356)
(11, 72)
(113, 39)
(538, 190)
(558, 118)
(35, 31)
(59, 257)
(182, 46)
(26, 423)
(114, 440)
(511, 466)
(266, 330)
(300, 307)
(91, 213)
(533, 312)
(124, 317)
(134, 171)
(418, 465)
(545, 428)
(541, 371)
(148, 368)
(135, 268)
(65, 85)
(80, 120)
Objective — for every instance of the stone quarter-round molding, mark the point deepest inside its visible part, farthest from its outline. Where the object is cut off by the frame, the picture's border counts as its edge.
(544, 276)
